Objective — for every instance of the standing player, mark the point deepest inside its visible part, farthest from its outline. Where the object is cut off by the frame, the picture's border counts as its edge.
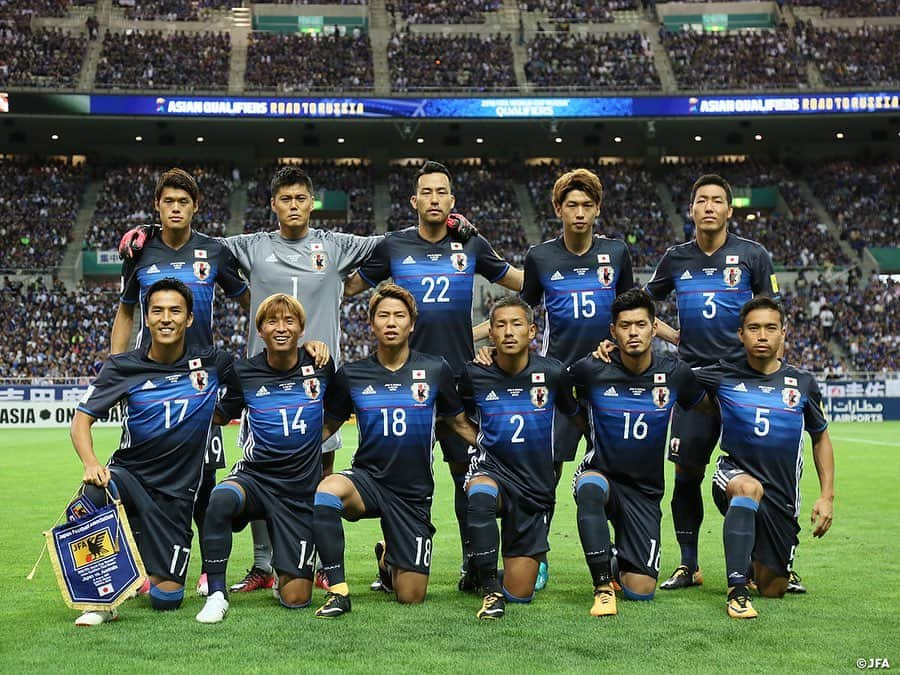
(169, 392)
(200, 262)
(396, 394)
(282, 389)
(576, 276)
(439, 271)
(712, 276)
(629, 402)
(766, 405)
(515, 401)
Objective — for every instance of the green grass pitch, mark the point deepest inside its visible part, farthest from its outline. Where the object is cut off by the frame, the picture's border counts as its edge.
(851, 612)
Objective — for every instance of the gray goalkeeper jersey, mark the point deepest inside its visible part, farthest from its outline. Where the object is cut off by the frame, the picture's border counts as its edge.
(311, 269)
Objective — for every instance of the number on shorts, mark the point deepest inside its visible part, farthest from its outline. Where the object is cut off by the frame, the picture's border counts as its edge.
(215, 446)
(423, 551)
(306, 561)
(177, 550)
(653, 558)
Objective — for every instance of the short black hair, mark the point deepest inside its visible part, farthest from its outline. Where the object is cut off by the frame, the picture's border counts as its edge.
(289, 175)
(178, 179)
(512, 301)
(634, 298)
(172, 284)
(431, 167)
(761, 302)
(712, 179)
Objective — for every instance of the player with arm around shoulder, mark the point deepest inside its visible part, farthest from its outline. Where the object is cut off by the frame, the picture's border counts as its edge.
(282, 393)
(397, 395)
(629, 403)
(766, 405)
(512, 475)
(169, 393)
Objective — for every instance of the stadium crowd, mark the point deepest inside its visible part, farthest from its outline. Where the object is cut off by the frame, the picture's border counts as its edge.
(175, 10)
(768, 59)
(39, 203)
(591, 61)
(833, 8)
(452, 62)
(865, 56)
(443, 11)
(152, 59)
(578, 11)
(46, 57)
(303, 62)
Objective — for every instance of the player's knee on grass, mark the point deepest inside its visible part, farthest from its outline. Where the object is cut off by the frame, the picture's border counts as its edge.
(165, 595)
(294, 592)
(769, 582)
(410, 587)
(744, 485)
(637, 586)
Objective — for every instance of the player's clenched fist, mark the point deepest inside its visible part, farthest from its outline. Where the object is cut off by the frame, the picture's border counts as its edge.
(95, 474)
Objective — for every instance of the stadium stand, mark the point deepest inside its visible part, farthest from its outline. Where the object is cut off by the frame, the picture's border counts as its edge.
(175, 10)
(153, 60)
(850, 8)
(578, 11)
(609, 62)
(39, 203)
(289, 63)
(126, 199)
(445, 11)
(46, 57)
(865, 56)
(450, 63)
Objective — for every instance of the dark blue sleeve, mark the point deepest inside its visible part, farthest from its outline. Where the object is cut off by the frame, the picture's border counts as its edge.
(661, 284)
(229, 275)
(532, 290)
(626, 273)
(467, 392)
(762, 275)
(338, 402)
(377, 266)
(690, 391)
(231, 394)
(447, 403)
(130, 291)
(108, 389)
(709, 378)
(813, 413)
(579, 372)
(488, 262)
(565, 399)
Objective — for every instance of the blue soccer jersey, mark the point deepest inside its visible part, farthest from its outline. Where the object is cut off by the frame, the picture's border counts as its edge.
(710, 291)
(629, 416)
(201, 263)
(763, 420)
(577, 292)
(282, 424)
(395, 414)
(440, 276)
(167, 413)
(515, 419)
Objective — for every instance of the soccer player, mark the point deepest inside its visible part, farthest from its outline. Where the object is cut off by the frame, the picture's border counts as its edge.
(766, 405)
(396, 394)
(439, 271)
(576, 276)
(169, 392)
(629, 403)
(199, 261)
(275, 481)
(515, 401)
(712, 276)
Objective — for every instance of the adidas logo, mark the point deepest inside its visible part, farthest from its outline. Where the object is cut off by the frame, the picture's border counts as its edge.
(409, 260)
(271, 258)
(740, 387)
(148, 385)
(556, 276)
(492, 396)
(153, 269)
(262, 391)
(687, 275)
(611, 392)
(368, 390)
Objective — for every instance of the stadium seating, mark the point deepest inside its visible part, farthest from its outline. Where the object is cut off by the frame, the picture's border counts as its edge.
(459, 62)
(578, 11)
(604, 62)
(46, 57)
(38, 206)
(299, 63)
(831, 8)
(155, 60)
(866, 56)
(445, 11)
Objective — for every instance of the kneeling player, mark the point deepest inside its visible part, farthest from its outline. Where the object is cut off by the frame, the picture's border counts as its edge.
(766, 405)
(513, 474)
(396, 394)
(169, 394)
(629, 402)
(275, 481)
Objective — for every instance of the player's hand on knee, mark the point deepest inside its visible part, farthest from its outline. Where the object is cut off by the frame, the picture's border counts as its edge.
(604, 349)
(485, 355)
(318, 351)
(822, 516)
(96, 474)
(460, 227)
(135, 239)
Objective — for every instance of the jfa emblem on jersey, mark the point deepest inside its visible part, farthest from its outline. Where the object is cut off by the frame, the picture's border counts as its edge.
(201, 270)
(419, 391)
(791, 397)
(199, 378)
(606, 275)
(539, 396)
(660, 396)
(94, 547)
(319, 261)
(311, 387)
(459, 261)
(732, 276)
